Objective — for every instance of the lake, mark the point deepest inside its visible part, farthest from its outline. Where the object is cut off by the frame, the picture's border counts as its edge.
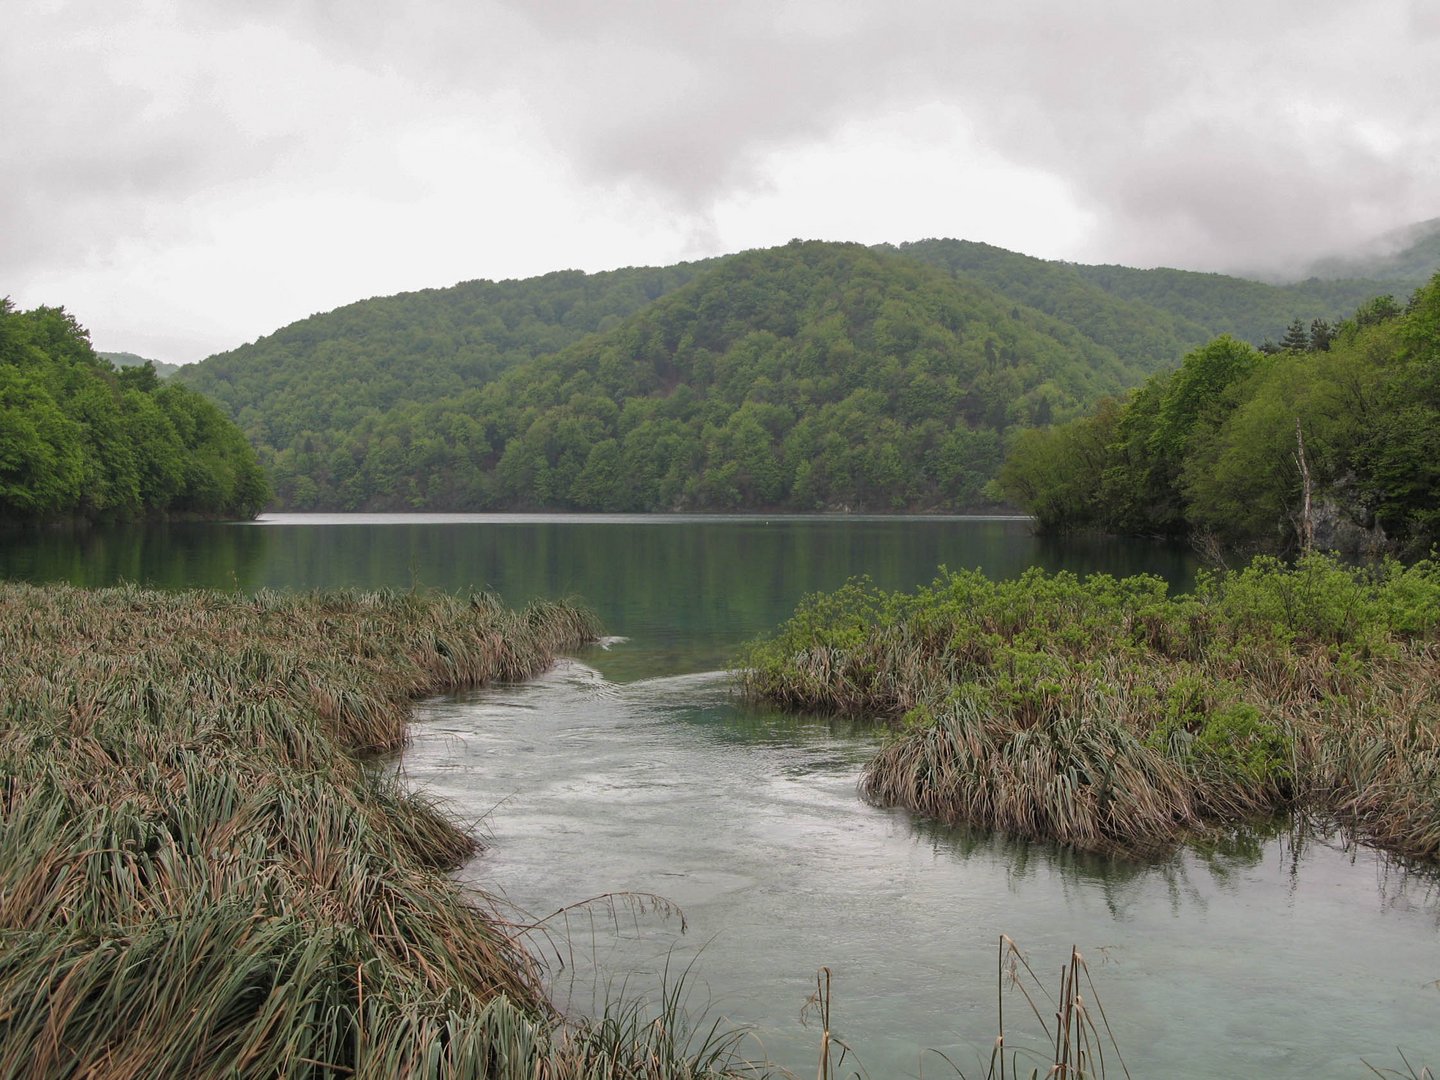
(632, 769)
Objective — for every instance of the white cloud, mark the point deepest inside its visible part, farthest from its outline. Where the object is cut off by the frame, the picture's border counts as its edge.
(185, 176)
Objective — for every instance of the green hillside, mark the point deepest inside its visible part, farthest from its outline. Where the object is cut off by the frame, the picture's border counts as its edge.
(1131, 328)
(812, 376)
(129, 359)
(1250, 310)
(1165, 312)
(380, 403)
(80, 439)
(325, 373)
(1405, 258)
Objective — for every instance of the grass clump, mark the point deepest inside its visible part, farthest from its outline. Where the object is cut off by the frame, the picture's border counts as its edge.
(1109, 715)
(200, 875)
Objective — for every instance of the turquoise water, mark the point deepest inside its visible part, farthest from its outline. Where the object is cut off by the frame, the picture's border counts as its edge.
(632, 770)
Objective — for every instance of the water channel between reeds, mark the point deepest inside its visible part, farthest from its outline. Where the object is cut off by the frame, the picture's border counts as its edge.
(634, 769)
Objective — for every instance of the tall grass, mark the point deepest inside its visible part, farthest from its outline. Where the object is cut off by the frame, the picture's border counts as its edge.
(200, 876)
(1108, 715)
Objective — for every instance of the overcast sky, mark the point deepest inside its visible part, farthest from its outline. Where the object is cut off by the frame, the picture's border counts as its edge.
(187, 175)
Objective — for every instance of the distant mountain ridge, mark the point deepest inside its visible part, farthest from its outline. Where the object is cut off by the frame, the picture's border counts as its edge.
(1250, 310)
(1059, 289)
(1407, 257)
(428, 399)
(1135, 310)
(127, 359)
(327, 371)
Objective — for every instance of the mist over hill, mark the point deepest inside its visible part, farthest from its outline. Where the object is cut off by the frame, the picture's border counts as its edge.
(1406, 257)
(128, 359)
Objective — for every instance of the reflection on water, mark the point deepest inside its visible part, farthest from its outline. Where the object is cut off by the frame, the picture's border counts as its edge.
(167, 555)
(685, 589)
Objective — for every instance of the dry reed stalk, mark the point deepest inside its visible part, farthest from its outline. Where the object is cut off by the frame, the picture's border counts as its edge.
(200, 875)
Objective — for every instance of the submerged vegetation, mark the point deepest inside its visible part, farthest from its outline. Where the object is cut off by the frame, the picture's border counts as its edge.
(200, 875)
(1071, 1041)
(1110, 716)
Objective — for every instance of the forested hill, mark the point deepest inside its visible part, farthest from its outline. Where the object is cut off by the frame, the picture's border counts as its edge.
(1132, 328)
(129, 359)
(1140, 312)
(1407, 258)
(812, 376)
(1334, 443)
(81, 440)
(1250, 310)
(338, 404)
(322, 375)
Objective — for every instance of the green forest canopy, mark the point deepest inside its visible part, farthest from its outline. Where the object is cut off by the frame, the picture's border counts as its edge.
(397, 402)
(81, 439)
(320, 376)
(434, 399)
(1222, 445)
(805, 377)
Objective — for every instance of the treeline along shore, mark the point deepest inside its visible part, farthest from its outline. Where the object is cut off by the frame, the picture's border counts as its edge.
(1111, 716)
(1330, 440)
(83, 441)
(200, 873)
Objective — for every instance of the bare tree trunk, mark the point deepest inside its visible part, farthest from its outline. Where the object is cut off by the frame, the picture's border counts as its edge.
(1307, 520)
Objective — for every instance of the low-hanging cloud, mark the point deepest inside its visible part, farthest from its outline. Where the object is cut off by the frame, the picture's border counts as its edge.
(1217, 135)
(1223, 133)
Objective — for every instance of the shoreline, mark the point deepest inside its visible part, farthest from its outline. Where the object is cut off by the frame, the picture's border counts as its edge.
(200, 871)
(1111, 717)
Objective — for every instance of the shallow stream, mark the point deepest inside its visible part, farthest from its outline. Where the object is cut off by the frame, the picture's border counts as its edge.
(633, 770)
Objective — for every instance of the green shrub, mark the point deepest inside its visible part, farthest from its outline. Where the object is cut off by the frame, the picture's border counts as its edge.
(1268, 689)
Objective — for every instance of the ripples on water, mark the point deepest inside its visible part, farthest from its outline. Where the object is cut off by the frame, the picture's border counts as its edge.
(1263, 954)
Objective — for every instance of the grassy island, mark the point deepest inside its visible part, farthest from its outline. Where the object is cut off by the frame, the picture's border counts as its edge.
(201, 876)
(1111, 716)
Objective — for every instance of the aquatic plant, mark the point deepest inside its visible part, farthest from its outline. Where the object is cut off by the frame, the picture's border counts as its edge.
(1073, 1030)
(201, 875)
(1106, 714)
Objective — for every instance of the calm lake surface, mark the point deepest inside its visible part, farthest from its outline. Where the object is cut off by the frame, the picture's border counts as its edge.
(633, 769)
